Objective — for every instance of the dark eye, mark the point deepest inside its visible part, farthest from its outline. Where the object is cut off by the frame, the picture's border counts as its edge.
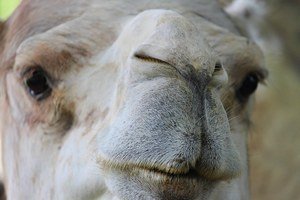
(247, 87)
(38, 84)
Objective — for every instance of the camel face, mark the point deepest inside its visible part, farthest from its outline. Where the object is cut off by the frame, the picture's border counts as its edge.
(128, 102)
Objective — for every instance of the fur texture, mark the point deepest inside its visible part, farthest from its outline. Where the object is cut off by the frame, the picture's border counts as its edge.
(143, 102)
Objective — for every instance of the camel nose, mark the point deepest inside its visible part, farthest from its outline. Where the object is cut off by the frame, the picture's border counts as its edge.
(209, 150)
(173, 119)
(167, 126)
(219, 158)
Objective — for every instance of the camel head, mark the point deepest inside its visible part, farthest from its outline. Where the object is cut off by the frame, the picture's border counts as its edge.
(125, 100)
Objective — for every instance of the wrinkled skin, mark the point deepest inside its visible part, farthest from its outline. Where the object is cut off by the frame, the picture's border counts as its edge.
(143, 101)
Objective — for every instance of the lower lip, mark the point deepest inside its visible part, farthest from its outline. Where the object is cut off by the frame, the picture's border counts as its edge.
(160, 184)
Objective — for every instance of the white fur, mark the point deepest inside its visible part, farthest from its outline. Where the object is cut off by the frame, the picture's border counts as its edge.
(138, 107)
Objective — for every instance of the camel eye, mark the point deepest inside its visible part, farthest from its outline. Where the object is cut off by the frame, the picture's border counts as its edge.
(37, 84)
(248, 86)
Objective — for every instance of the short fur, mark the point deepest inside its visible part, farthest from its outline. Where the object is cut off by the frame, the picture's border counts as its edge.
(143, 102)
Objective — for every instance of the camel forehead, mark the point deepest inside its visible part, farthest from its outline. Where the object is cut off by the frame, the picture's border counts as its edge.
(59, 48)
(35, 17)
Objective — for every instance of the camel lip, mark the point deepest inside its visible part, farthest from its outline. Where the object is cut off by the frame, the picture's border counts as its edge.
(161, 171)
(191, 174)
(151, 170)
(163, 184)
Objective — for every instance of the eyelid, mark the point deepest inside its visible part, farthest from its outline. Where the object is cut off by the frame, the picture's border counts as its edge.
(262, 75)
(26, 73)
(27, 70)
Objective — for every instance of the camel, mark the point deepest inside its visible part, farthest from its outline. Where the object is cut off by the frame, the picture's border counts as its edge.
(125, 100)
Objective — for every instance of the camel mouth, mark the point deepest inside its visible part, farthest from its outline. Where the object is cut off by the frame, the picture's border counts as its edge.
(152, 172)
(161, 184)
(164, 175)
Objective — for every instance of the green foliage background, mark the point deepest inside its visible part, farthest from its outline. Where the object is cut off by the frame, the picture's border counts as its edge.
(7, 7)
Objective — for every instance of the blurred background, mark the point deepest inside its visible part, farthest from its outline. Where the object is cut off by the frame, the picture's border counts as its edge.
(275, 135)
(7, 7)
